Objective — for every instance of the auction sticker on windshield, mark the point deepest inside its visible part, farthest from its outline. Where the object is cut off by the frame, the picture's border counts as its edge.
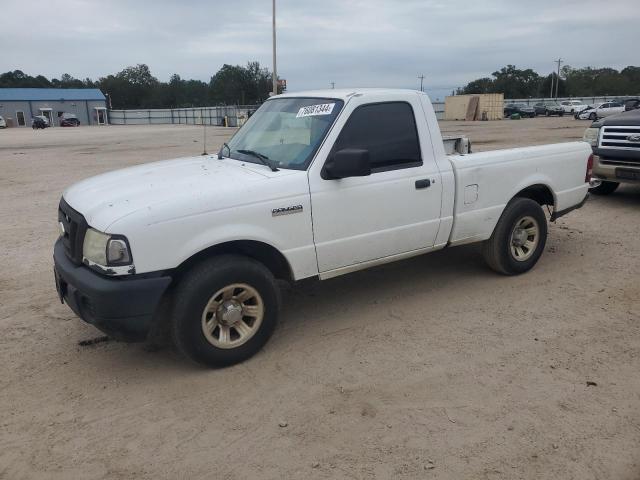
(312, 110)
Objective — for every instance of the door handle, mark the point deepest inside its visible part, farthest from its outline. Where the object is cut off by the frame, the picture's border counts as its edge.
(423, 183)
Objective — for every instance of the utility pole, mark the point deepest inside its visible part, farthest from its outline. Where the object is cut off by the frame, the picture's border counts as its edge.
(333, 85)
(559, 61)
(275, 72)
(421, 77)
(551, 92)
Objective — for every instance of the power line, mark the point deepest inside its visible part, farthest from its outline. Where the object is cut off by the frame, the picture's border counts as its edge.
(559, 61)
(421, 77)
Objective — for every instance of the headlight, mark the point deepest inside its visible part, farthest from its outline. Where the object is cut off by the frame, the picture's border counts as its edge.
(591, 136)
(106, 250)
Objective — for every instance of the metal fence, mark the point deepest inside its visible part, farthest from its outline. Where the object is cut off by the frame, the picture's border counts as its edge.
(220, 116)
(586, 100)
(438, 107)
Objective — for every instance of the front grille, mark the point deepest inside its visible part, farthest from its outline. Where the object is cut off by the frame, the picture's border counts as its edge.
(615, 148)
(617, 138)
(75, 226)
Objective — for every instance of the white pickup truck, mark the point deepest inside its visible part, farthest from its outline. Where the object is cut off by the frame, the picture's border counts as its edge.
(315, 184)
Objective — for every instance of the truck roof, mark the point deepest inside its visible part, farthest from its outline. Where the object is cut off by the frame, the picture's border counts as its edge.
(346, 93)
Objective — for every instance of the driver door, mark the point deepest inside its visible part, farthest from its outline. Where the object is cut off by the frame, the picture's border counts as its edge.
(394, 210)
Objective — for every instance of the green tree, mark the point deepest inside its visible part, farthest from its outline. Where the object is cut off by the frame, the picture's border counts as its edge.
(136, 87)
(481, 85)
(234, 84)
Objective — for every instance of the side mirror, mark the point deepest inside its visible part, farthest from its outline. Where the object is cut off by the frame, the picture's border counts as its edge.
(348, 162)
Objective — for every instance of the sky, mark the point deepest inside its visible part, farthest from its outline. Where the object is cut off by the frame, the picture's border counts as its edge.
(370, 43)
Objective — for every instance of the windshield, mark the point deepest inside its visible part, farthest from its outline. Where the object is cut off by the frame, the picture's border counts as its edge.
(286, 132)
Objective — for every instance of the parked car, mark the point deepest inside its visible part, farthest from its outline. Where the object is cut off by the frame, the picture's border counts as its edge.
(3, 123)
(39, 121)
(522, 108)
(616, 147)
(69, 120)
(631, 104)
(209, 235)
(602, 110)
(573, 106)
(548, 108)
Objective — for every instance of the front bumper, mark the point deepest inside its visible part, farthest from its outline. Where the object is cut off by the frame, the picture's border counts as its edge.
(623, 173)
(122, 307)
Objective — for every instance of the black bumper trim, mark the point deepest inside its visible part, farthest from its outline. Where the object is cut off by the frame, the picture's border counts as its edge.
(556, 215)
(122, 307)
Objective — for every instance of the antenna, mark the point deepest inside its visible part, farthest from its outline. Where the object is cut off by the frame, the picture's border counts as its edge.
(333, 85)
(204, 131)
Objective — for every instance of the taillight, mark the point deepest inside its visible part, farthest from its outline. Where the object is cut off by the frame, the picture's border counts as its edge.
(587, 177)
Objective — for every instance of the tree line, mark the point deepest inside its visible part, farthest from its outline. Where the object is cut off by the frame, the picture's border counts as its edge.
(136, 87)
(573, 82)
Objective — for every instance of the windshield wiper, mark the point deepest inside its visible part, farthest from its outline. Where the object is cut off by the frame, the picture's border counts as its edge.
(263, 158)
(220, 154)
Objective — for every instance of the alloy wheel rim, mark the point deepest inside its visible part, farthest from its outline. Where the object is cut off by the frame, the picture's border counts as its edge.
(524, 238)
(232, 316)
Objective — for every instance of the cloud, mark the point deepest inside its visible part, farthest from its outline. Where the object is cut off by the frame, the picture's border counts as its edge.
(352, 43)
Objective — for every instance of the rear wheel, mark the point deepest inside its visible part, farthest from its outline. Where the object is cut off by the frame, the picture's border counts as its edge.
(605, 188)
(225, 310)
(518, 239)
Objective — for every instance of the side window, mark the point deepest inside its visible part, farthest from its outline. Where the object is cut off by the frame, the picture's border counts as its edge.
(388, 131)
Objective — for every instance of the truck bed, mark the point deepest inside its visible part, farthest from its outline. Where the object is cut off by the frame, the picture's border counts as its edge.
(486, 181)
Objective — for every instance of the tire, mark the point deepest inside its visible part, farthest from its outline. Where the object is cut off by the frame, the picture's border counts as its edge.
(198, 327)
(605, 188)
(593, 116)
(533, 115)
(562, 114)
(547, 113)
(501, 250)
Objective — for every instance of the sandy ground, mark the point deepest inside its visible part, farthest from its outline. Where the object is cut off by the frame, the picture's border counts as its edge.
(429, 368)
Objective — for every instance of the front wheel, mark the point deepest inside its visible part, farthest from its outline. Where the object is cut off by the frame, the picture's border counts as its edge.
(518, 239)
(593, 116)
(225, 310)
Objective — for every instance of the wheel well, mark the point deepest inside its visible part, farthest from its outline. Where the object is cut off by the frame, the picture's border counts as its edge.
(269, 256)
(539, 193)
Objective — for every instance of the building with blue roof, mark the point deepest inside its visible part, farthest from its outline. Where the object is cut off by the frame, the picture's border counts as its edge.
(19, 105)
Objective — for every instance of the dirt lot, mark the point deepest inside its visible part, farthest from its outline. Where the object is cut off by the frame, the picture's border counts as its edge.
(430, 368)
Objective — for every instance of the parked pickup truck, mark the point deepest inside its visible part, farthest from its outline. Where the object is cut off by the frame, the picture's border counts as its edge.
(616, 147)
(315, 184)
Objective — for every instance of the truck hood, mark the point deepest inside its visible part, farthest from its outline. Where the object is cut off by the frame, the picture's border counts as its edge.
(171, 188)
(630, 118)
